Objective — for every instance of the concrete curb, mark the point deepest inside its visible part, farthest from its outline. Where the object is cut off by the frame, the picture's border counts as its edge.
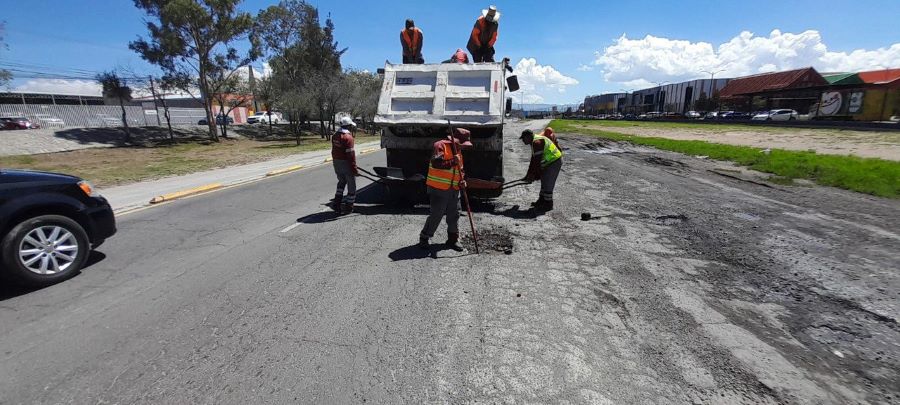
(284, 170)
(370, 150)
(184, 193)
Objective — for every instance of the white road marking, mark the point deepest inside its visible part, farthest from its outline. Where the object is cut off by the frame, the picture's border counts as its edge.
(288, 229)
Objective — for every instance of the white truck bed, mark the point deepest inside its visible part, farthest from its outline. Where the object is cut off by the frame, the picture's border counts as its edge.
(430, 94)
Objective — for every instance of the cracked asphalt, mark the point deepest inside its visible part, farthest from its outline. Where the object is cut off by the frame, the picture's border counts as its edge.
(692, 282)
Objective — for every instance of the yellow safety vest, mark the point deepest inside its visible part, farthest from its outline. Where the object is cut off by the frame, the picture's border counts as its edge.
(443, 179)
(551, 152)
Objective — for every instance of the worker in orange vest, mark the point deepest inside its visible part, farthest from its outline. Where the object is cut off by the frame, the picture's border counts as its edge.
(443, 183)
(484, 35)
(411, 39)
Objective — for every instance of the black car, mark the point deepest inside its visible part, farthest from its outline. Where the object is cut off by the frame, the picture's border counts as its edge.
(735, 115)
(48, 225)
(219, 120)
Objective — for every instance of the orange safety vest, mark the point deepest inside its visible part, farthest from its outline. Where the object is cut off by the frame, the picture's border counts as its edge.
(412, 43)
(443, 179)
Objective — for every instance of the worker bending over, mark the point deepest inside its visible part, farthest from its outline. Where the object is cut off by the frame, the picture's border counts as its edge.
(411, 40)
(344, 160)
(484, 35)
(546, 162)
(443, 183)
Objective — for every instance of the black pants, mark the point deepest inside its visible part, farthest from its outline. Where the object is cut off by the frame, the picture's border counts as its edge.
(413, 60)
(482, 54)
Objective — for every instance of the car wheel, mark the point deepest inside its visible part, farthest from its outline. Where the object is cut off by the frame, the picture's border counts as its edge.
(44, 250)
(792, 118)
(769, 119)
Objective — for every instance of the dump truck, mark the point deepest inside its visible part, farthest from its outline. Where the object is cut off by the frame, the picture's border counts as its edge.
(417, 105)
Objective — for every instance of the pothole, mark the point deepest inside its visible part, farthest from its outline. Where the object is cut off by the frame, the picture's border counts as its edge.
(495, 240)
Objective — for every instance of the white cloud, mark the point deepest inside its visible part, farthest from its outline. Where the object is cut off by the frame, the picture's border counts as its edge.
(585, 68)
(539, 81)
(61, 86)
(655, 59)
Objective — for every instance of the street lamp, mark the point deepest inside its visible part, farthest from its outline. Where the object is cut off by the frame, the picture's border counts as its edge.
(659, 102)
(712, 78)
(624, 104)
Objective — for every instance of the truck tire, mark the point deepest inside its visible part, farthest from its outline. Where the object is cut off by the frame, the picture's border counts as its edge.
(44, 250)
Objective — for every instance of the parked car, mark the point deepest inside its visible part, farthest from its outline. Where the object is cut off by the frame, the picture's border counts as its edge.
(262, 117)
(104, 120)
(19, 123)
(713, 115)
(219, 120)
(777, 115)
(735, 115)
(48, 121)
(692, 115)
(48, 225)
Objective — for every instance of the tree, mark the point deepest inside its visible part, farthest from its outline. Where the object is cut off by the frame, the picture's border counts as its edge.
(304, 57)
(193, 40)
(160, 96)
(5, 75)
(116, 88)
(365, 88)
(233, 93)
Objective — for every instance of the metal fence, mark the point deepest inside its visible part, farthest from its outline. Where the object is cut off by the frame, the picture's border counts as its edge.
(87, 116)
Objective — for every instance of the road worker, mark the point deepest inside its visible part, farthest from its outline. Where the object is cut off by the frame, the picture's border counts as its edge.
(460, 56)
(344, 160)
(411, 39)
(443, 183)
(546, 162)
(548, 132)
(484, 35)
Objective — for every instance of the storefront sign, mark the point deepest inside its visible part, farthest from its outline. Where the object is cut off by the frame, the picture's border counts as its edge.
(831, 103)
(856, 102)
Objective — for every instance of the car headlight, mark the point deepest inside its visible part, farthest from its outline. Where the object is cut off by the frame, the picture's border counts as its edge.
(88, 189)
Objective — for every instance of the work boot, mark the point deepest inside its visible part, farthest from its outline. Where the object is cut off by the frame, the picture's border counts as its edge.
(543, 205)
(453, 241)
(423, 243)
(335, 203)
(534, 204)
(346, 208)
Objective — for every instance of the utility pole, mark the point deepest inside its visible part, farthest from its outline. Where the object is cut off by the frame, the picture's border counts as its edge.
(712, 78)
(155, 107)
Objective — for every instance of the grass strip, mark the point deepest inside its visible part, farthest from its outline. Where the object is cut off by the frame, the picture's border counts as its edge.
(106, 167)
(865, 175)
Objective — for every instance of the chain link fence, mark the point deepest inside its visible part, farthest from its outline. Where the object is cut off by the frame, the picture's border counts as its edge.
(92, 116)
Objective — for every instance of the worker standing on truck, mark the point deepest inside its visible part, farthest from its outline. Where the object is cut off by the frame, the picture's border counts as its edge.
(484, 35)
(411, 40)
(344, 160)
(443, 183)
(546, 162)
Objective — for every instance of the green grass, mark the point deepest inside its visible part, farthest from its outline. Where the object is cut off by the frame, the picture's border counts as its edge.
(668, 125)
(866, 175)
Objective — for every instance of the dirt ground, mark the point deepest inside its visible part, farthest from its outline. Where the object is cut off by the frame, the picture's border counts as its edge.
(154, 157)
(874, 144)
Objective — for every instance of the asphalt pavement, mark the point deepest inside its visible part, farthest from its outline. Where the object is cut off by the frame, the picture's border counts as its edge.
(692, 282)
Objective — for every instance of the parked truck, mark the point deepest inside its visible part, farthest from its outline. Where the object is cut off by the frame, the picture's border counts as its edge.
(414, 108)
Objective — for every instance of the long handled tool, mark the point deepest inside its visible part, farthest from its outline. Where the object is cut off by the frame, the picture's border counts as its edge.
(462, 174)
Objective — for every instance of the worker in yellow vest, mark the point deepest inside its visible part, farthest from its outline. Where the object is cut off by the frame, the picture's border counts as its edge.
(546, 163)
(443, 183)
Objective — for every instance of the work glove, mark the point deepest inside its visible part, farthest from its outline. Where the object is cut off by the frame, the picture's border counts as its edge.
(462, 183)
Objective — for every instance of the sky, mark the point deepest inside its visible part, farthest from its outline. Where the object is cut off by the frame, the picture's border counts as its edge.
(561, 52)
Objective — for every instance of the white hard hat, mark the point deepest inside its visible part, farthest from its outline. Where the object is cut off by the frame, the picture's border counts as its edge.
(346, 121)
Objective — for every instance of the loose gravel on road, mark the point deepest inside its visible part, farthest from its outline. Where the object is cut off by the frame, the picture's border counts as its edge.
(680, 286)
